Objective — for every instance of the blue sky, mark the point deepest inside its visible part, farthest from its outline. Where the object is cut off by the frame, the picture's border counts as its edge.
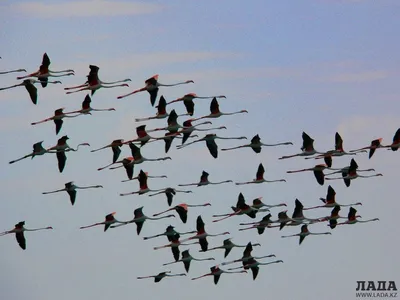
(318, 66)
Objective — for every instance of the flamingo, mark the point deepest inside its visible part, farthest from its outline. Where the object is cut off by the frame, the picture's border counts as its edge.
(298, 217)
(396, 142)
(172, 122)
(170, 193)
(139, 219)
(182, 210)
(86, 108)
(334, 216)
(260, 177)
(228, 245)
(71, 188)
(352, 218)
(240, 209)
(12, 71)
(375, 144)
(148, 176)
(189, 128)
(215, 112)
(143, 136)
(109, 220)
(93, 82)
(168, 139)
(283, 220)
(19, 230)
(29, 86)
(57, 118)
(246, 256)
(254, 266)
(115, 147)
(161, 111)
(204, 181)
(258, 204)
(158, 277)
(169, 232)
(216, 272)
(202, 235)
(188, 101)
(330, 201)
(256, 145)
(142, 177)
(210, 142)
(307, 148)
(44, 73)
(318, 171)
(174, 245)
(261, 225)
(37, 150)
(305, 232)
(186, 259)
(151, 86)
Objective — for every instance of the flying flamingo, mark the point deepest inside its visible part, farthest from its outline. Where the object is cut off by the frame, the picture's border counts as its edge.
(283, 220)
(158, 277)
(396, 142)
(93, 82)
(170, 193)
(375, 144)
(254, 266)
(202, 235)
(256, 144)
(210, 142)
(182, 210)
(258, 204)
(172, 121)
(174, 245)
(228, 245)
(161, 111)
(246, 256)
(169, 232)
(204, 181)
(19, 233)
(318, 171)
(151, 86)
(215, 112)
(304, 232)
(148, 176)
(186, 259)
(334, 216)
(240, 209)
(143, 136)
(260, 177)
(142, 177)
(37, 150)
(261, 225)
(298, 217)
(188, 128)
(29, 86)
(44, 73)
(188, 101)
(352, 218)
(168, 138)
(139, 219)
(115, 147)
(57, 118)
(12, 71)
(307, 148)
(330, 201)
(71, 188)
(86, 108)
(216, 272)
(109, 220)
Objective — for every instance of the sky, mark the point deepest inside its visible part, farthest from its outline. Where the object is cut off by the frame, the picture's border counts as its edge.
(319, 66)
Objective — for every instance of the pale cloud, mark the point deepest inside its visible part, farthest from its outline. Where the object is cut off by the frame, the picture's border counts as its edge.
(89, 8)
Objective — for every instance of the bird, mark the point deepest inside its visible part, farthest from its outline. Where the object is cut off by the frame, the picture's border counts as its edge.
(168, 138)
(142, 177)
(202, 235)
(298, 217)
(330, 201)
(210, 142)
(240, 209)
(71, 188)
(115, 147)
(93, 82)
(19, 230)
(260, 177)
(216, 272)
(143, 136)
(174, 245)
(318, 171)
(256, 145)
(152, 86)
(258, 204)
(37, 150)
(12, 71)
(161, 111)
(59, 114)
(109, 220)
(186, 259)
(305, 232)
(334, 216)
(44, 73)
(246, 256)
(169, 232)
(188, 101)
(228, 245)
(188, 128)
(148, 176)
(396, 142)
(307, 148)
(139, 219)
(29, 86)
(204, 181)
(86, 108)
(254, 266)
(172, 121)
(158, 277)
(375, 144)
(260, 226)
(182, 210)
(216, 113)
(352, 218)
(170, 193)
